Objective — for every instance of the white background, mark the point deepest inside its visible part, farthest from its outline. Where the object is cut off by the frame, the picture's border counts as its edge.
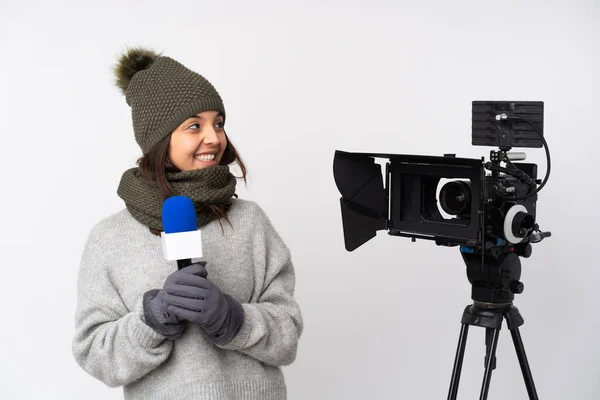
(300, 80)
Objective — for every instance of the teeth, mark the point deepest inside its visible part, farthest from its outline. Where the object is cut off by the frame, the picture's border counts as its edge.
(205, 157)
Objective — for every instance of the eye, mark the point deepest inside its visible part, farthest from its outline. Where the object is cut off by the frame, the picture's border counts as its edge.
(220, 125)
(194, 125)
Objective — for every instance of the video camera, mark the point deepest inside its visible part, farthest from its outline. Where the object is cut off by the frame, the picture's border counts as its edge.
(481, 208)
(487, 209)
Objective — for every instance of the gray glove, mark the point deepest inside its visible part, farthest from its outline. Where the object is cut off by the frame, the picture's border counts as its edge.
(156, 314)
(158, 318)
(190, 296)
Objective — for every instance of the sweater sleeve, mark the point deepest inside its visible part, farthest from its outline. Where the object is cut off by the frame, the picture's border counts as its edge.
(111, 343)
(273, 321)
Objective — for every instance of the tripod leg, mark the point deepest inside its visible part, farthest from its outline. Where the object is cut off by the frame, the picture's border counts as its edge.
(488, 366)
(458, 360)
(516, 336)
(488, 345)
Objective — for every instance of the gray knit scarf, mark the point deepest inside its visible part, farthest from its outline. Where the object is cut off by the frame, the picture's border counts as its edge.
(213, 185)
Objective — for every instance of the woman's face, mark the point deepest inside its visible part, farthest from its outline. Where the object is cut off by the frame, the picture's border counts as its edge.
(199, 142)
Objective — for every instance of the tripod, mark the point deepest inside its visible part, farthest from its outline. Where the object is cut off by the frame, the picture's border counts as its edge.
(490, 317)
(494, 276)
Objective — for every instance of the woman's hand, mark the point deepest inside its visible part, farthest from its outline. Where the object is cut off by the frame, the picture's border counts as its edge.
(191, 296)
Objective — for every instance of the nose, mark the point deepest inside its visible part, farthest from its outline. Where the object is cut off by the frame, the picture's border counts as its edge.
(211, 137)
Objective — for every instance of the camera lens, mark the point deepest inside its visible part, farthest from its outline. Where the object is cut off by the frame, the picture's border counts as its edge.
(455, 197)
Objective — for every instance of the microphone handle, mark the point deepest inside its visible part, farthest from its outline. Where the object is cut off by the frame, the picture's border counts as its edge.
(186, 262)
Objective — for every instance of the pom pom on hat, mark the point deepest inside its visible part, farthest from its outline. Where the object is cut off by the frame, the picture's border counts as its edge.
(134, 60)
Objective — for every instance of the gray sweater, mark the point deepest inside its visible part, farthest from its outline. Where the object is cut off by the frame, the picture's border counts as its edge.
(249, 261)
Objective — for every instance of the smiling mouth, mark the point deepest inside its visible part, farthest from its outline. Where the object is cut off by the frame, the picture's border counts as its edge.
(205, 157)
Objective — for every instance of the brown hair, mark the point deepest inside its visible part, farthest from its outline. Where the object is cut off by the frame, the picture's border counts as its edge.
(156, 163)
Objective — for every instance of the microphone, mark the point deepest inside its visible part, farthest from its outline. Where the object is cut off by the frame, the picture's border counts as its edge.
(181, 240)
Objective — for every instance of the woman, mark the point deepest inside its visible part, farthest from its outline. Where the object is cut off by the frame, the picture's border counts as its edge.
(219, 331)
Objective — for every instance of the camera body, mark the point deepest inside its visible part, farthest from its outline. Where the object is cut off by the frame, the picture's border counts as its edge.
(416, 191)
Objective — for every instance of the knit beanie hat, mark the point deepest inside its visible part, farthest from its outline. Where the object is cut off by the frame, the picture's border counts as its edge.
(162, 94)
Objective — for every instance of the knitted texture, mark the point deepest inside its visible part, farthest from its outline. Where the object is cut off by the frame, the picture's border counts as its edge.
(248, 261)
(163, 96)
(214, 185)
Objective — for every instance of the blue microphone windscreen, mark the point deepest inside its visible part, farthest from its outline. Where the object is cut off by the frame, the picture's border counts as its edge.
(179, 215)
